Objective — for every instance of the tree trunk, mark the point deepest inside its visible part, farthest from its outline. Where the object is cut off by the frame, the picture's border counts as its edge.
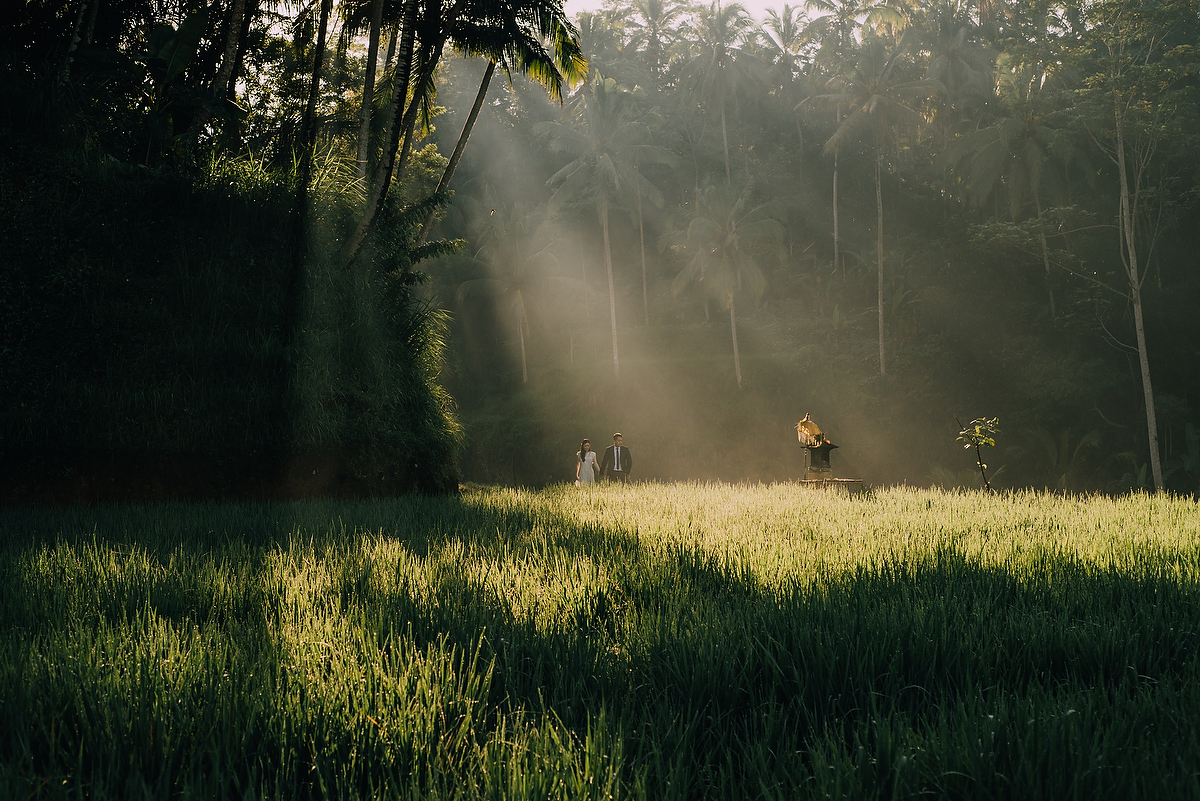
(1132, 272)
(64, 72)
(800, 162)
(737, 359)
(642, 239)
(391, 51)
(294, 289)
(725, 142)
(521, 336)
(91, 25)
(308, 128)
(239, 60)
(836, 238)
(233, 126)
(612, 293)
(1147, 390)
(368, 97)
(391, 134)
(410, 115)
(229, 58)
(232, 38)
(461, 145)
(1045, 252)
(879, 256)
(587, 306)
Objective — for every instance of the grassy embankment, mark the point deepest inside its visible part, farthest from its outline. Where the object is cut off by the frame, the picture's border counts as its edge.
(663, 641)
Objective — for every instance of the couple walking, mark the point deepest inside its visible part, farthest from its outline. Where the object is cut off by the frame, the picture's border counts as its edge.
(616, 463)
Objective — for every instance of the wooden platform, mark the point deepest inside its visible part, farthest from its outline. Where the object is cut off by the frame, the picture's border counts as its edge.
(851, 485)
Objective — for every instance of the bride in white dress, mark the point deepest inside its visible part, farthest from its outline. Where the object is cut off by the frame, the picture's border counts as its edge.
(585, 467)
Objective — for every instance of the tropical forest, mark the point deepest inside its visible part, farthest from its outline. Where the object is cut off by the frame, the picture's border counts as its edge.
(338, 238)
(318, 318)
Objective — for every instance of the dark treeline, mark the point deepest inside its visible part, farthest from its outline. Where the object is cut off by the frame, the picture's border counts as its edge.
(211, 214)
(889, 215)
(886, 215)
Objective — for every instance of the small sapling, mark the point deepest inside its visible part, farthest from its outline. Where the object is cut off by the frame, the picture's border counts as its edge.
(979, 432)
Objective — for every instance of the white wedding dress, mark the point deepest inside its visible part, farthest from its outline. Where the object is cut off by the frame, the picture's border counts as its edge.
(587, 470)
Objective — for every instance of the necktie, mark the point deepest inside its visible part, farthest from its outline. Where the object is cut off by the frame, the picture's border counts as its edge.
(618, 464)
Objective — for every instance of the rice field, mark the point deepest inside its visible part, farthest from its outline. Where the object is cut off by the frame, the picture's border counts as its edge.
(658, 641)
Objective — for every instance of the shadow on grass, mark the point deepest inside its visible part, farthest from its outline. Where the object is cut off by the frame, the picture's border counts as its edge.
(719, 685)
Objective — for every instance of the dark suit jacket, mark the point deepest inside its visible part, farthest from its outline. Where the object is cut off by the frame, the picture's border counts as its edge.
(609, 461)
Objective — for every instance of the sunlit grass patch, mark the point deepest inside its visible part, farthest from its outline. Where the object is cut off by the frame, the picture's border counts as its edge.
(675, 640)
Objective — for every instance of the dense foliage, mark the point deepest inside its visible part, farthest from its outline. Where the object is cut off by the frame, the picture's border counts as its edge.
(890, 215)
(672, 642)
(194, 262)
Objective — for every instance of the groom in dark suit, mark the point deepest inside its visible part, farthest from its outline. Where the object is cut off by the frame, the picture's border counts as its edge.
(617, 462)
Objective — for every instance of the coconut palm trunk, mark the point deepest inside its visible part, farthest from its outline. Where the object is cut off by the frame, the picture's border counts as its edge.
(393, 36)
(391, 134)
(836, 238)
(725, 142)
(800, 164)
(294, 291)
(64, 72)
(364, 125)
(232, 39)
(521, 336)
(612, 293)
(308, 128)
(642, 241)
(91, 25)
(233, 130)
(737, 360)
(587, 306)
(461, 145)
(879, 253)
(1045, 251)
(230, 56)
(429, 57)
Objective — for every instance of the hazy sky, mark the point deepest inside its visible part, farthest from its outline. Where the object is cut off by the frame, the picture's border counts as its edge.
(756, 7)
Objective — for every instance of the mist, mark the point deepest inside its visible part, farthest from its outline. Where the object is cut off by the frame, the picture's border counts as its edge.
(977, 319)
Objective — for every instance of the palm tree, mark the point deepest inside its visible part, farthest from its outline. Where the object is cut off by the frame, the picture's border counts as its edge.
(608, 142)
(533, 36)
(721, 238)
(524, 60)
(599, 40)
(460, 145)
(1018, 151)
(720, 67)
(233, 35)
(874, 92)
(649, 25)
(370, 16)
(308, 128)
(786, 36)
(963, 65)
(514, 246)
(835, 29)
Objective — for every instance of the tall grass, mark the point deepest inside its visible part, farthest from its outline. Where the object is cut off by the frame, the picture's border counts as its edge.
(657, 641)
